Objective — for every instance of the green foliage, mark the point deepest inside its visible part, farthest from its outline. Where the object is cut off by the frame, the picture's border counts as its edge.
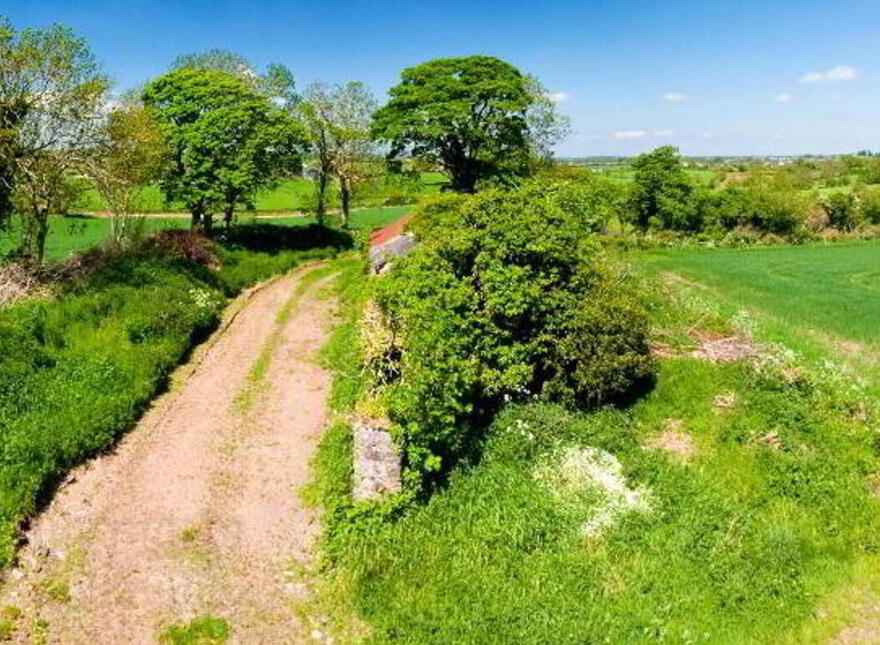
(42, 142)
(467, 114)
(206, 630)
(226, 141)
(663, 197)
(869, 203)
(507, 298)
(761, 206)
(842, 210)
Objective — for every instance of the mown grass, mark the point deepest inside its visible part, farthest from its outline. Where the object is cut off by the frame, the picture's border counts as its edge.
(75, 234)
(763, 526)
(295, 194)
(77, 369)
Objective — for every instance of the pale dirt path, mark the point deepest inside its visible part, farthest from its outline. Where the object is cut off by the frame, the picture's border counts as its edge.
(196, 510)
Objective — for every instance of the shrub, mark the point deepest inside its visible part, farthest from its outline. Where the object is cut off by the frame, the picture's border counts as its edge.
(842, 210)
(662, 196)
(506, 299)
(759, 206)
(869, 204)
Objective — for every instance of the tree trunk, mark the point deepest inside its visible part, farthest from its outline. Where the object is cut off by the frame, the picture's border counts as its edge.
(345, 194)
(228, 212)
(36, 231)
(321, 209)
(196, 219)
(208, 224)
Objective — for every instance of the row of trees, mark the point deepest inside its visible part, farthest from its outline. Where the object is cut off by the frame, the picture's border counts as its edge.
(664, 198)
(213, 132)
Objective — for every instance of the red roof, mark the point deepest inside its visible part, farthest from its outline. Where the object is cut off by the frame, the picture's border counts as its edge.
(391, 231)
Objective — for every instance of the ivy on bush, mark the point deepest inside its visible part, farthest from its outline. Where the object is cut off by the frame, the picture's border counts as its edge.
(508, 297)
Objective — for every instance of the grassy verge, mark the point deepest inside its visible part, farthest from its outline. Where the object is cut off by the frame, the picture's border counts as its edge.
(77, 369)
(755, 508)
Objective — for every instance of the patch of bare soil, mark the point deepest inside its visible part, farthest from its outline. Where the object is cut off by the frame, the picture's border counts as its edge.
(723, 349)
(673, 440)
(196, 511)
(724, 401)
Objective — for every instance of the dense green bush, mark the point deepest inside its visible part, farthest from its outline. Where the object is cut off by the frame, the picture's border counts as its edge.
(760, 207)
(842, 209)
(507, 298)
(869, 204)
(663, 196)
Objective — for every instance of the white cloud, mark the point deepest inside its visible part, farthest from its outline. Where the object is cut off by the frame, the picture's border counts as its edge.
(630, 134)
(839, 73)
(777, 136)
(663, 133)
(782, 98)
(673, 97)
(558, 97)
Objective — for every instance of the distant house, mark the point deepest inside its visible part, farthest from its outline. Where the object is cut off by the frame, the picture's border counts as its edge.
(311, 173)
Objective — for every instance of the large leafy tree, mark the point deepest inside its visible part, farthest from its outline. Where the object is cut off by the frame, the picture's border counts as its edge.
(225, 140)
(337, 119)
(276, 82)
(662, 195)
(52, 94)
(470, 115)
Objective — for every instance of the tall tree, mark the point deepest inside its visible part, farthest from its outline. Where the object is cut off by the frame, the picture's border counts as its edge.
(128, 155)
(52, 95)
(277, 82)
(469, 115)
(661, 193)
(225, 140)
(338, 120)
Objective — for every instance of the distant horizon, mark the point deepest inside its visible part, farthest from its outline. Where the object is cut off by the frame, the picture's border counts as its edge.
(713, 79)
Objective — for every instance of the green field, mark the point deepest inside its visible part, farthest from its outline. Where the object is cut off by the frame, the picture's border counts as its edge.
(822, 301)
(289, 195)
(79, 233)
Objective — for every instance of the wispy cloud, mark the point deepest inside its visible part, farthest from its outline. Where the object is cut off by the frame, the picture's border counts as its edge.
(630, 134)
(673, 97)
(782, 98)
(839, 73)
(641, 134)
(558, 97)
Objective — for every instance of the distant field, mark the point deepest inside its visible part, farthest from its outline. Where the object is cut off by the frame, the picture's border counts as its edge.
(831, 288)
(79, 233)
(289, 195)
(625, 173)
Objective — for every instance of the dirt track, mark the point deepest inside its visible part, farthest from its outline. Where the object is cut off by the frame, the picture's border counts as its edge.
(195, 512)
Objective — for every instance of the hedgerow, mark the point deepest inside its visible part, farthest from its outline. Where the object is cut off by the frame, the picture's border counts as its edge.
(507, 298)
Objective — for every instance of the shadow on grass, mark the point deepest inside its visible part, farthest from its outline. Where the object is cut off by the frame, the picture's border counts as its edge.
(273, 239)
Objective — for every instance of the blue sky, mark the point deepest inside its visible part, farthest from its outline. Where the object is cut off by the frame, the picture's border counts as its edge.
(732, 77)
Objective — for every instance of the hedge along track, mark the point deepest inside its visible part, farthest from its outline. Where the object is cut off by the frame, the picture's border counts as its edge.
(195, 512)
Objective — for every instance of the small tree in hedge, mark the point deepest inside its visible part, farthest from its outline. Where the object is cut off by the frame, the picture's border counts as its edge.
(842, 209)
(662, 195)
(506, 298)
